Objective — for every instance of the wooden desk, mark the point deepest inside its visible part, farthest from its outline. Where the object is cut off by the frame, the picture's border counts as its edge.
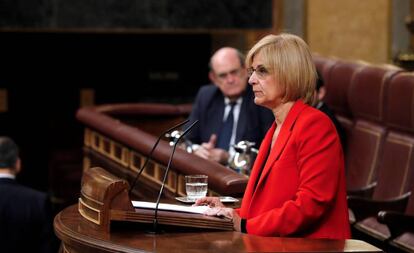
(78, 236)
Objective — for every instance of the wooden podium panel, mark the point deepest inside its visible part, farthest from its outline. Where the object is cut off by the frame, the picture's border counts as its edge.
(78, 236)
(104, 199)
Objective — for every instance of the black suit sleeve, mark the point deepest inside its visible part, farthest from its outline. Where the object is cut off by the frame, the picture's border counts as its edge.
(194, 134)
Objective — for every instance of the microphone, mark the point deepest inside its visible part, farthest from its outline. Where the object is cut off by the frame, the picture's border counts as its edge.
(155, 223)
(149, 156)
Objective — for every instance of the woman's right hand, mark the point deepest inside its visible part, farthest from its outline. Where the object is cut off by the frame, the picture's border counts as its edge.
(216, 208)
(210, 201)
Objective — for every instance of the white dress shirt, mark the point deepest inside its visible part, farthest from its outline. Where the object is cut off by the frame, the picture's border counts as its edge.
(7, 175)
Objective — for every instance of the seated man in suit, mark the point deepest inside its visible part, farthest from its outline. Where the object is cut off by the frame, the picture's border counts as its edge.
(25, 218)
(320, 92)
(226, 110)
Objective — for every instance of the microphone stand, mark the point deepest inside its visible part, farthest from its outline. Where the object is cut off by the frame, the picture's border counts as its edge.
(152, 150)
(155, 222)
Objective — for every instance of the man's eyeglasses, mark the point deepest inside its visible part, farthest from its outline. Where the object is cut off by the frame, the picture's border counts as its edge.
(261, 71)
(234, 72)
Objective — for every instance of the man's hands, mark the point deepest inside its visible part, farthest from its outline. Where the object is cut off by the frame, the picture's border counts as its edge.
(208, 150)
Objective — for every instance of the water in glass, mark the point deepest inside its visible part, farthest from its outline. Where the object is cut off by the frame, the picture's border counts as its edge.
(196, 186)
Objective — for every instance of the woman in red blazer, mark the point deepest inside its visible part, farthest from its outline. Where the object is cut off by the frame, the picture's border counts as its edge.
(297, 184)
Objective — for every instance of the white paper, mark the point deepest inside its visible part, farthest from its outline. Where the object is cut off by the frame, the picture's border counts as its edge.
(171, 207)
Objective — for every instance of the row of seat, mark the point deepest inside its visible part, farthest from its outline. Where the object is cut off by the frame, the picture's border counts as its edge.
(375, 105)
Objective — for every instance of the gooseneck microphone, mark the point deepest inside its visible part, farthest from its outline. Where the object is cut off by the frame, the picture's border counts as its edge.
(149, 156)
(155, 222)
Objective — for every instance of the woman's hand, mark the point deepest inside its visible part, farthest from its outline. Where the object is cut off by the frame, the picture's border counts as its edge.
(218, 209)
(209, 201)
(229, 213)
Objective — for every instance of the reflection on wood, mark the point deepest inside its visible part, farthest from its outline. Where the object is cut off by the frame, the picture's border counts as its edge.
(78, 236)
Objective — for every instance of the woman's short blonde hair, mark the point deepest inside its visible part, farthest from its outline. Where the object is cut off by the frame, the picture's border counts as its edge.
(288, 58)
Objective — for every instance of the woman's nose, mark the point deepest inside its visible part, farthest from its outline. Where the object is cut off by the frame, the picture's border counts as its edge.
(252, 79)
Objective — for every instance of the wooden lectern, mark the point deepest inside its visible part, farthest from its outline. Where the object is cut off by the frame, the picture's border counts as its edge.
(104, 198)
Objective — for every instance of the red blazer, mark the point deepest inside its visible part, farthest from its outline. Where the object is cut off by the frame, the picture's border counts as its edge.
(301, 190)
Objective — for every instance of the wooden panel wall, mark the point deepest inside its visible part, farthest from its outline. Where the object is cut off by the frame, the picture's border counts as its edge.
(351, 29)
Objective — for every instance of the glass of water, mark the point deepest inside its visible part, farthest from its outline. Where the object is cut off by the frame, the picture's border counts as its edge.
(196, 186)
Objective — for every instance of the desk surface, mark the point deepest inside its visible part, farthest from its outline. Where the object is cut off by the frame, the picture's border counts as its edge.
(79, 236)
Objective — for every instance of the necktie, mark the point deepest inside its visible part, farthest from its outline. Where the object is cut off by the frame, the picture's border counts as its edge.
(226, 130)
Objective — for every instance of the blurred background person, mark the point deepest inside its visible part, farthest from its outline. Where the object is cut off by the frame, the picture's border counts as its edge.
(320, 93)
(297, 185)
(225, 109)
(25, 214)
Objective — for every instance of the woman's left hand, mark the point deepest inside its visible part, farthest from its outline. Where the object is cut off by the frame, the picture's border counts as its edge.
(229, 213)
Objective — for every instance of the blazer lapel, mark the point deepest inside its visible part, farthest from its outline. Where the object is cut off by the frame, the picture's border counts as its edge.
(282, 139)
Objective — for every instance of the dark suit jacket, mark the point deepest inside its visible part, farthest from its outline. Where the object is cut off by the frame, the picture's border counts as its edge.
(25, 219)
(208, 108)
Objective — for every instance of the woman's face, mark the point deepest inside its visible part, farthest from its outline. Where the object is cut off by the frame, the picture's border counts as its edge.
(265, 86)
